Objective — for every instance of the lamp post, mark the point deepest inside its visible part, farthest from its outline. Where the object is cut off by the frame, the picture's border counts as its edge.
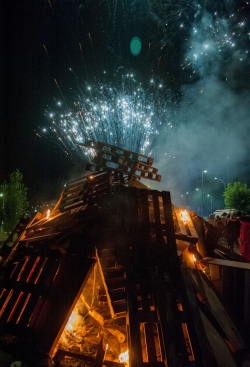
(216, 178)
(211, 203)
(2, 196)
(228, 162)
(202, 204)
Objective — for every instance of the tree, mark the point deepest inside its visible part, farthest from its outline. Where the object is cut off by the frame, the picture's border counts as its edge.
(14, 203)
(237, 196)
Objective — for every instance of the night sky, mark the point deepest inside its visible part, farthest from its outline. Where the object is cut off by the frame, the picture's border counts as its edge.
(194, 50)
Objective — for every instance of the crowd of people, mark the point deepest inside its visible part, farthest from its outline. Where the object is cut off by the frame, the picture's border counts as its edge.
(235, 228)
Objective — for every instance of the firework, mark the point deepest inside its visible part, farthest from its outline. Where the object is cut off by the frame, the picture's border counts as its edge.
(128, 116)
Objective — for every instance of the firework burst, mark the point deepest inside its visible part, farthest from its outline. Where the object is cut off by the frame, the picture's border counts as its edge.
(128, 116)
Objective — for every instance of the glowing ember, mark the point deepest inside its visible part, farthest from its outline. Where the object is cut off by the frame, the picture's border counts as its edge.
(48, 214)
(123, 357)
(184, 216)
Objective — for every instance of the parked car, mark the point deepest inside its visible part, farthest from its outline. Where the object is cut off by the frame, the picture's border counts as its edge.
(219, 212)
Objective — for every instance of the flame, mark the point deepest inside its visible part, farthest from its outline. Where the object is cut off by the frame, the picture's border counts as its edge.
(48, 214)
(184, 216)
(124, 357)
(194, 258)
(71, 321)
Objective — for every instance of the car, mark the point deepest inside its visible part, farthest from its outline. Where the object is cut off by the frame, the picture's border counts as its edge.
(219, 212)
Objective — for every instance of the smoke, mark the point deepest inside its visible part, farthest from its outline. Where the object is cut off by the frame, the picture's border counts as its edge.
(213, 115)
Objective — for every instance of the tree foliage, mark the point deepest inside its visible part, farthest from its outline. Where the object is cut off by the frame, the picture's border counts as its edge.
(14, 200)
(237, 196)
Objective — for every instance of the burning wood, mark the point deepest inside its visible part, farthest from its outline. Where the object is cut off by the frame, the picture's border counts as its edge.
(87, 325)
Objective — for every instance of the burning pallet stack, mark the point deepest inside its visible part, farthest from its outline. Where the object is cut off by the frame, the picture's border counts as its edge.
(99, 280)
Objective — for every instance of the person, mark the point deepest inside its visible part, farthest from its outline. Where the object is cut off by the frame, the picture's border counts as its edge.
(245, 237)
(224, 219)
(212, 221)
(220, 225)
(232, 231)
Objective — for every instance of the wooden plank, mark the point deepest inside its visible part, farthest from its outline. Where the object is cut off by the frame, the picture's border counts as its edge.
(157, 216)
(65, 291)
(220, 349)
(105, 286)
(191, 226)
(233, 264)
(173, 344)
(171, 249)
(200, 344)
(146, 303)
(144, 206)
(133, 327)
(218, 311)
(101, 351)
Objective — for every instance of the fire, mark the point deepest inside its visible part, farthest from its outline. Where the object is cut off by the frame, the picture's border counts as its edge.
(184, 216)
(71, 321)
(124, 357)
(48, 213)
(194, 258)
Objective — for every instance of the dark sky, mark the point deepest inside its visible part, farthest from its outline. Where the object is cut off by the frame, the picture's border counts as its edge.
(53, 49)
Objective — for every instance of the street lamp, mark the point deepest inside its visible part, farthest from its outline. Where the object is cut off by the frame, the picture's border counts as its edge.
(211, 203)
(216, 178)
(2, 196)
(202, 204)
(228, 162)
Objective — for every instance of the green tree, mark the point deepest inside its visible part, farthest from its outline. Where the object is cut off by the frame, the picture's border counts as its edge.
(14, 203)
(237, 196)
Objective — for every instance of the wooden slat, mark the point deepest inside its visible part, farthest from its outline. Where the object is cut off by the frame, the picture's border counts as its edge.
(218, 311)
(233, 264)
(171, 251)
(200, 344)
(145, 217)
(173, 343)
(134, 335)
(220, 350)
(157, 216)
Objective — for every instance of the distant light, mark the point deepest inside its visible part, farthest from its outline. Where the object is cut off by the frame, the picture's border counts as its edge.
(135, 46)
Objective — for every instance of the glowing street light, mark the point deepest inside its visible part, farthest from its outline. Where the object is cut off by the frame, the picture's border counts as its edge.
(216, 178)
(202, 204)
(2, 196)
(211, 203)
